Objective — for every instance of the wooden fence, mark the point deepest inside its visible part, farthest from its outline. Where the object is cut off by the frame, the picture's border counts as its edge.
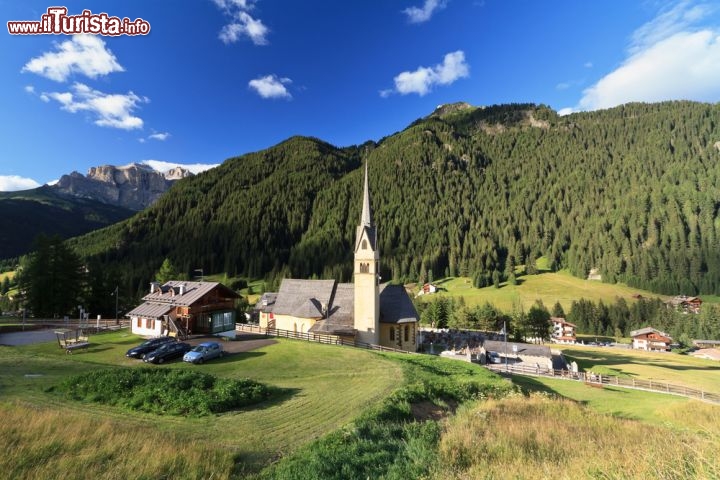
(314, 337)
(597, 380)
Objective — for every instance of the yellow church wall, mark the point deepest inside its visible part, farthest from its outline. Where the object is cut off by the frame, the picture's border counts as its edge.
(294, 324)
(393, 336)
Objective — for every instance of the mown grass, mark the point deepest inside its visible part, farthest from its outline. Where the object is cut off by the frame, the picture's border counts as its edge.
(672, 368)
(398, 438)
(540, 437)
(550, 287)
(325, 388)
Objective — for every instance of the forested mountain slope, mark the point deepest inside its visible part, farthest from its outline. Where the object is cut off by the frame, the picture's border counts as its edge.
(26, 214)
(632, 190)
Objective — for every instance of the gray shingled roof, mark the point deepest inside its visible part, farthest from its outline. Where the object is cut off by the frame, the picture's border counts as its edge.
(340, 313)
(303, 298)
(150, 310)
(169, 293)
(266, 303)
(395, 305)
(525, 349)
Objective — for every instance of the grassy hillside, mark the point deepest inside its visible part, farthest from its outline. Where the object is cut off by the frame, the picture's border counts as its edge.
(676, 369)
(327, 387)
(541, 437)
(550, 287)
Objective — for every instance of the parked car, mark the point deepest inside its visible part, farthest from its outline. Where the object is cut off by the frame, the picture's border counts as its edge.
(167, 351)
(148, 346)
(493, 357)
(204, 351)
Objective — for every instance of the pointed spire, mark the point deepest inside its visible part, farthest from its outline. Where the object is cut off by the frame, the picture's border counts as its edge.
(366, 218)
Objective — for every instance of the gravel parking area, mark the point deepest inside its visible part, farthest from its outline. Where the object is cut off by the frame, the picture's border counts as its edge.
(244, 342)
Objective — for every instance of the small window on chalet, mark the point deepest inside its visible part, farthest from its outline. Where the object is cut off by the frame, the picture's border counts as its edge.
(364, 244)
(392, 334)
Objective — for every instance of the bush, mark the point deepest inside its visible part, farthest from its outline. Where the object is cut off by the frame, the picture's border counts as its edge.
(164, 391)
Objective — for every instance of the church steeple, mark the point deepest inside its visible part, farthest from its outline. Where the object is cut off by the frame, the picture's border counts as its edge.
(366, 217)
(366, 274)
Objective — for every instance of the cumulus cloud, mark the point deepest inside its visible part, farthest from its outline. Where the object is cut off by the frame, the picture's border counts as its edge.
(160, 136)
(82, 54)
(668, 59)
(162, 166)
(12, 183)
(242, 24)
(424, 13)
(270, 86)
(109, 110)
(422, 80)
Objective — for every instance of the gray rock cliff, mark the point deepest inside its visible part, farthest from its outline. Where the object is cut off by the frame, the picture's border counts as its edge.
(134, 186)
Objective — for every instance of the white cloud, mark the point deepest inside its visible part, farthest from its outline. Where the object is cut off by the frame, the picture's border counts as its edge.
(668, 59)
(422, 80)
(159, 136)
(684, 66)
(84, 54)
(424, 13)
(588, 65)
(270, 86)
(12, 183)
(29, 89)
(162, 166)
(242, 23)
(110, 110)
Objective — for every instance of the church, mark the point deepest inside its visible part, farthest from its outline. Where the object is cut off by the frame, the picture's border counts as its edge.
(364, 310)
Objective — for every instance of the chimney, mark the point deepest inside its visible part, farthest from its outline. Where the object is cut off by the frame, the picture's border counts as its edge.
(182, 289)
(154, 286)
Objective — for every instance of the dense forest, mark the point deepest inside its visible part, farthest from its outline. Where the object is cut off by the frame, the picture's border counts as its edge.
(26, 214)
(632, 191)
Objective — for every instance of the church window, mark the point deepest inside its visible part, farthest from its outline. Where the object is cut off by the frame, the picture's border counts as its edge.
(392, 334)
(364, 267)
(407, 333)
(364, 244)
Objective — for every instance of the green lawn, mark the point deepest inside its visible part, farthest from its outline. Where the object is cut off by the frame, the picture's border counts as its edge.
(326, 386)
(671, 368)
(550, 287)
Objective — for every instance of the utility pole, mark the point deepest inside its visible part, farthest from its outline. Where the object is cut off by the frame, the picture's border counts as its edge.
(117, 320)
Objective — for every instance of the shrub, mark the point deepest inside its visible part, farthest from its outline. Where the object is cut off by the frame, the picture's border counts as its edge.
(164, 391)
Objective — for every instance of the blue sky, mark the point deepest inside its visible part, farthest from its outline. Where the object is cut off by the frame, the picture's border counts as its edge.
(220, 78)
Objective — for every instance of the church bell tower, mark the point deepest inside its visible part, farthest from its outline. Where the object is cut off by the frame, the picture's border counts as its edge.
(366, 275)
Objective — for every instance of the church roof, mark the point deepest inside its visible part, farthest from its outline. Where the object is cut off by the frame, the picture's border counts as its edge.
(395, 305)
(341, 313)
(303, 298)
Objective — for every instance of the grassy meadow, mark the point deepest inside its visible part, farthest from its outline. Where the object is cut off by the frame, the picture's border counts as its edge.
(353, 414)
(550, 287)
(542, 437)
(326, 387)
(672, 368)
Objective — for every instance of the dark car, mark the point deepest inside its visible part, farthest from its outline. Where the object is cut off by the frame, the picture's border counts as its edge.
(148, 346)
(167, 351)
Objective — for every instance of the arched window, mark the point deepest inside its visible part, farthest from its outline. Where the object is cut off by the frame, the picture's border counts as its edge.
(364, 244)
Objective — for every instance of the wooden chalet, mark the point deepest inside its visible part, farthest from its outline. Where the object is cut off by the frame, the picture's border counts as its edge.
(563, 331)
(685, 304)
(183, 308)
(651, 339)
